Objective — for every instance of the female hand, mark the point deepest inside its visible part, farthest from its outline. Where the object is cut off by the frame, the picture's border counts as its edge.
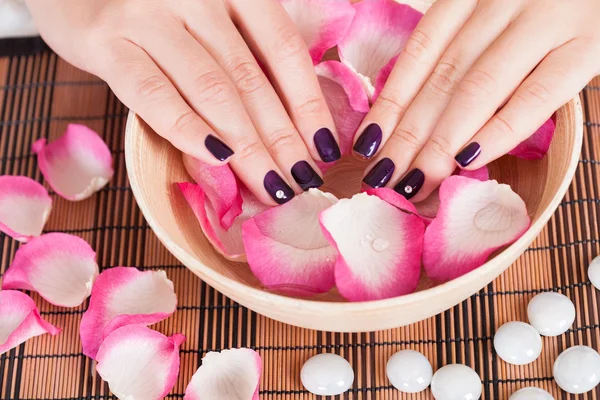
(476, 78)
(188, 68)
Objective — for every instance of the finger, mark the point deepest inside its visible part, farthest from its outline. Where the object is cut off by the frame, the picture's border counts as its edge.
(264, 108)
(415, 63)
(140, 84)
(560, 76)
(212, 94)
(279, 45)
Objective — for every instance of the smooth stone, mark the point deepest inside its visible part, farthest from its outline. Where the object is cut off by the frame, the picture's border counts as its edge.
(327, 374)
(456, 382)
(551, 314)
(409, 371)
(577, 369)
(594, 272)
(517, 343)
(531, 393)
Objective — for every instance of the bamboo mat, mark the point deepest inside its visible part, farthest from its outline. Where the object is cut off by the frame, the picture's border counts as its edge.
(40, 94)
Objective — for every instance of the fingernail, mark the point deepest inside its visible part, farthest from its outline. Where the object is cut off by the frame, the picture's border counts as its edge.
(468, 154)
(217, 148)
(380, 174)
(306, 176)
(411, 183)
(280, 191)
(369, 141)
(328, 149)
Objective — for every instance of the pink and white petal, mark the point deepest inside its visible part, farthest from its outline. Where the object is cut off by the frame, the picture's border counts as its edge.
(20, 320)
(392, 197)
(139, 363)
(537, 145)
(321, 23)
(481, 174)
(24, 207)
(474, 220)
(125, 296)
(76, 165)
(383, 76)
(379, 247)
(60, 267)
(378, 33)
(220, 187)
(282, 259)
(346, 99)
(230, 374)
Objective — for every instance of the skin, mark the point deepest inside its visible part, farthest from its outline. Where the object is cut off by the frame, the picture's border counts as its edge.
(485, 71)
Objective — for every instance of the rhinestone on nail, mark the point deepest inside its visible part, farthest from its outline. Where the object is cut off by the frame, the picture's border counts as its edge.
(408, 189)
(280, 194)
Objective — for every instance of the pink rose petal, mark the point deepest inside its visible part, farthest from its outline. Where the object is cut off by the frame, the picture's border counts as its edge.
(321, 23)
(475, 219)
(537, 145)
(20, 320)
(139, 363)
(24, 207)
(379, 246)
(76, 165)
(383, 76)
(286, 248)
(125, 296)
(60, 267)
(228, 375)
(378, 33)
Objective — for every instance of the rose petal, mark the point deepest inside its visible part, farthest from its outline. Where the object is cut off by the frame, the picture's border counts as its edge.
(125, 296)
(346, 99)
(378, 33)
(379, 246)
(60, 267)
(285, 260)
(475, 219)
(383, 76)
(76, 165)
(537, 145)
(139, 363)
(20, 320)
(230, 374)
(321, 23)
(24, 207)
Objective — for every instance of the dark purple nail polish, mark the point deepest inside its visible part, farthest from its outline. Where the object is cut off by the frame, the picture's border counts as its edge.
(410, 184)
(369, 141)
(306, 176)
(468, 154)
(380, 174)
(217, 148)
(280, 191)
(327, 146)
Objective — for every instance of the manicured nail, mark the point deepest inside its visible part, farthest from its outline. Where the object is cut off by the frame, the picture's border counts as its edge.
(280, 191)
(468, 154)
(380, 174)
(411, 183)
(327, 146)
(369, 141)
(217, 148)
(306, 176)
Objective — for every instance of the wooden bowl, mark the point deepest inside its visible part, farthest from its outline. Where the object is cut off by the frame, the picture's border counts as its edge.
(154, 166)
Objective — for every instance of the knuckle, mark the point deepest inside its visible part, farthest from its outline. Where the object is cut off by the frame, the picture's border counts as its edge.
(247, 77)
(249, 149)
(444, 78)
(311, 107)
(151, 86)
(184, 122)
(476, 86)
(289, 42)
(404, 138)
(503, 126)
(212, 88)
(534, 94)
(280, 139)
(391, 103)
(417, 45)
(440, 146)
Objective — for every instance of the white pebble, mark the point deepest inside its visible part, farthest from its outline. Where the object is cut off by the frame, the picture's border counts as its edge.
(517, 343)
(409, 371)
(327, 374)
(551, 314)
(577, 369)
(594, 272)
(531, 393)
(456, 382)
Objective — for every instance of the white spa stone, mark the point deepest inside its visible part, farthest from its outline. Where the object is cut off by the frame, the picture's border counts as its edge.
(456, 382)
(594, 272)
(409, 371)
(551, 314)
(327, 374)
(517, 343)
(577, 369)
(531, 393)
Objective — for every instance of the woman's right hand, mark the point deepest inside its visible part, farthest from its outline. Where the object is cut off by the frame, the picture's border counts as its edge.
(188, 68)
